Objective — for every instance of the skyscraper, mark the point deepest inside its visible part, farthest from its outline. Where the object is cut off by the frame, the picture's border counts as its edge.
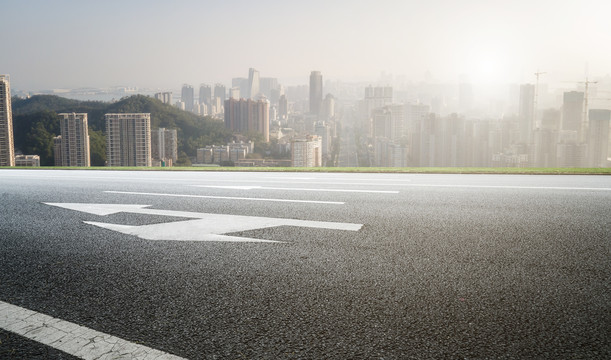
(164, 146)
(315, 92)
(526, 115)
(220, 92)
(246, 115)
(598, 137)
(7, 149)
(128, 139)
(205, 94)
(572, 111)
(253, 83)
(187, 97)
(74, 149)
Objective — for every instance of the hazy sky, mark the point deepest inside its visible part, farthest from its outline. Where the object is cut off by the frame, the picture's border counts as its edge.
(162, 44)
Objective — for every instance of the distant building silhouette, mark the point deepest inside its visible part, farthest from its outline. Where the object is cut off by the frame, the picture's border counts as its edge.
(164, 97)
(254, 85)
(598, 137)
(572, 111)
(526, 116)
(187, 97)
(315, 92)
(205, 94)
(220, 92)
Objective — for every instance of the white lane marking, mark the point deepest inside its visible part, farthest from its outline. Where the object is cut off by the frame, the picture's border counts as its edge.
(303, 182)
(296, 189)
(510, 187)
(204, 227)
(328, 178)
(226, 197)
(71, 338)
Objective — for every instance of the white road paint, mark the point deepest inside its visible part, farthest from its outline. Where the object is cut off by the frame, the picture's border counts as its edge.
(510, 187)
(71, 338)
(226, 197)
(369, 183)
(204, 227)
(296, 189)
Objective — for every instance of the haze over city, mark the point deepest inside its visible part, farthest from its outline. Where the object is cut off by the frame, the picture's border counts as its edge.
(160, 44)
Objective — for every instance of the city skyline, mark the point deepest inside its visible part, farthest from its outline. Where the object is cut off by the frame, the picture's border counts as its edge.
(159, 45)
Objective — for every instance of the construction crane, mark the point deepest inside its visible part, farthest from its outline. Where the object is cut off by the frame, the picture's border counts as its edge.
(537, 74)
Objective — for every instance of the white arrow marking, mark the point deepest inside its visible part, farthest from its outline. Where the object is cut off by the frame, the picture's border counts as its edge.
(204, 227)
(226, 197)
(295, 189)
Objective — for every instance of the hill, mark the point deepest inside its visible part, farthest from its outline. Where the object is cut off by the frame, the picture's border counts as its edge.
(36, 122)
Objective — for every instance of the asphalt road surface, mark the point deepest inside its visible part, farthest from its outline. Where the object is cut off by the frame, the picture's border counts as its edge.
(213, 265)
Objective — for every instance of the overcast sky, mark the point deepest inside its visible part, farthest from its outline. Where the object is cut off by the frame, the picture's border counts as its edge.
(162, 44)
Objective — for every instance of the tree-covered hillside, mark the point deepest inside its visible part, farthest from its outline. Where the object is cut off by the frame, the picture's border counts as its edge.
(36, 122)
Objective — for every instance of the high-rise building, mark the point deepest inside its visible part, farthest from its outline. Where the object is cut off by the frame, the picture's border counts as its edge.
(205, 94)
(187, 97)
(74, 150)
(254, 86)
(328, 107)
(246, 115)
(128, 139)
(57, 150)
(7, 148)
(164, 147)
(242, 85)
(315, 92)
(267, 85)
(307, 152)
(164, 97)
(572, 111)
(220, 92)
(598, 137)
(526, 114)
(234, 93)
(283, 108)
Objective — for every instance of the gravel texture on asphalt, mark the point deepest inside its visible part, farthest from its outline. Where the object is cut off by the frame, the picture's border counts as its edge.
(435, 272)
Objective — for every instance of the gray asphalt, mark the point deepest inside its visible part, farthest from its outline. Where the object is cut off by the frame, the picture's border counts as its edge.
(451, 266)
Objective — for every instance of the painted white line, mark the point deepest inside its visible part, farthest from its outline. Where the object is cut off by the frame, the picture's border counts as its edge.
(202, 227)
(295, 189)
(71, 338)
(510, 187)
(304, 182)
(226, 197)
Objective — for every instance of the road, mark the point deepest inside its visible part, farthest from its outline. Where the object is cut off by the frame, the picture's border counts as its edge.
(215, 265)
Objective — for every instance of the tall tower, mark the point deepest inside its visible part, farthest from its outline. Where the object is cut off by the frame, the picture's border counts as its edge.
(315, 92)
(598, 137)
(187, 97)
(7, 148)
(128, 139)
(205, 94)
(220, 92)
(74, 149)
(526, 116)
(572, 111)
(164, 146)
(253, 83)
